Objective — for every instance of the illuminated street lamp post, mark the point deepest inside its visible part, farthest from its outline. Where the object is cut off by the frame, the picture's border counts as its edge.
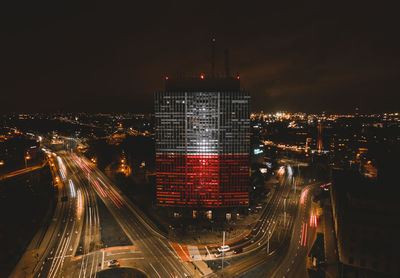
(284, 211)
(26, 158)
(223, 251)
(269, 238)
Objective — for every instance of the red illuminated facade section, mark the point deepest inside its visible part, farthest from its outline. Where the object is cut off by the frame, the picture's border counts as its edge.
(202, 180)
(202, 147)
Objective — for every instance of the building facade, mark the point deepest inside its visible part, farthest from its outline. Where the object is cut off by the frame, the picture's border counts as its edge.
(202, 144)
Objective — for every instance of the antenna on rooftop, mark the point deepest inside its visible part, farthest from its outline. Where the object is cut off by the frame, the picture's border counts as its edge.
(213, 41)
(227, 71)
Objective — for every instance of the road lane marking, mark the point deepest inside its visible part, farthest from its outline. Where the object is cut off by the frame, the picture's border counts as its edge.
(155, 270)
(123, 253)
(209, 255)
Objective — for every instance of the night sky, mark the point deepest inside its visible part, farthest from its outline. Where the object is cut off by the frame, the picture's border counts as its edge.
(111, 56)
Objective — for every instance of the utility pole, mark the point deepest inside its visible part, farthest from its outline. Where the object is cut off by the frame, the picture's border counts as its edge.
(223, 251)
(213, 41)
(284, 211)
(227, 71)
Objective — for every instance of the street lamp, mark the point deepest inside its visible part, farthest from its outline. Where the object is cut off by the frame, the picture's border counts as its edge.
(269, 238)
(223, 251)
(26, 158)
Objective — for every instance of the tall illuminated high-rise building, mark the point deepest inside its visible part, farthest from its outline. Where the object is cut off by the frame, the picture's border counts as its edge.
(202, 143)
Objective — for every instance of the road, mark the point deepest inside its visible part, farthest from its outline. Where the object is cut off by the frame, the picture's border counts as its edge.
(62, 237)
(156, 251)
(76, 223)
(21, 171)
(273, 219)
(303, 234)
(72, 246)
(160, 260)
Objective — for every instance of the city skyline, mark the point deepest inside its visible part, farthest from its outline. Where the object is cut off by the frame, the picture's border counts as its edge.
(304, 57)
(103, 170)
(199, 139)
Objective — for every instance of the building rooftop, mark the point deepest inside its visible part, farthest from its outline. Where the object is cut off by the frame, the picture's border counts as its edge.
(202, 83)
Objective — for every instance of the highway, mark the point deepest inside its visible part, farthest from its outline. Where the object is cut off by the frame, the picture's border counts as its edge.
(72, 244)
(303, 234)
(91, 236)
(255, 245)
(73, 239)
(62, 237)
(160, 260)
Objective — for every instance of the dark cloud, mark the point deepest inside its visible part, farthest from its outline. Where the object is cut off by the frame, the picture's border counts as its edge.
(108, 56)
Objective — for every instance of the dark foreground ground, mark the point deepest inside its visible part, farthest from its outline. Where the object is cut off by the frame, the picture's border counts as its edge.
(25, 201)
(121, 273)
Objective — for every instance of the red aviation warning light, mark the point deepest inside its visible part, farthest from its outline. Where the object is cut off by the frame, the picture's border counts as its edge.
(201, 76)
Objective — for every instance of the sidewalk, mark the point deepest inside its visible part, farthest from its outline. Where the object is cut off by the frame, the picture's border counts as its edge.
(198, 269)
(331, 256)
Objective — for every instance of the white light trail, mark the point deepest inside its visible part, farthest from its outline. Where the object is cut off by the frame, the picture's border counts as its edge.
(72, 188)
(62, 173)
(289, 170)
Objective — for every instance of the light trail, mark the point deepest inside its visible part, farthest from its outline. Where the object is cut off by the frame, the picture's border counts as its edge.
(62, 174)
(79, 204)
(305, 236)
(72, 188)
(61, 163)
(99, 187)
(313, 221)
(303, 196)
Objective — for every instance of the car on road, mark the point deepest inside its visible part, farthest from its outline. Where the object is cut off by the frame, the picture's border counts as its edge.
(113, 263)
(223, 248)
(238, 250)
